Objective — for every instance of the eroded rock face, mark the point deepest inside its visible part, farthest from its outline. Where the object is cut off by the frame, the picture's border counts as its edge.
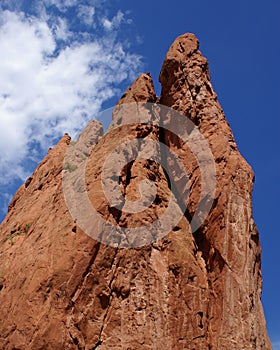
(229, 239)
(61, 289)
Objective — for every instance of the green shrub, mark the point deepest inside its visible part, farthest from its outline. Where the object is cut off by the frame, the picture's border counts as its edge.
(27, 227)
(70, 168)
(14, 236)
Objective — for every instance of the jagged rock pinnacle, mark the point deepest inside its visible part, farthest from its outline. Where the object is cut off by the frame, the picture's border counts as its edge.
(141, 90)
(191, 289)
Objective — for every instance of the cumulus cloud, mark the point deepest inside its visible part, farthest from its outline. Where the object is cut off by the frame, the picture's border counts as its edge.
(48, 88)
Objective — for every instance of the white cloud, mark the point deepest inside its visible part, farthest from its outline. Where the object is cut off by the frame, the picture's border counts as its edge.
(115, 22)
(62, 5)
(46, 90)
(86, 14)
(276, 345)
(61, 30)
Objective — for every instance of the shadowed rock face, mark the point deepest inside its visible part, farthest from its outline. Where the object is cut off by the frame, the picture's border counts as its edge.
(61, 289)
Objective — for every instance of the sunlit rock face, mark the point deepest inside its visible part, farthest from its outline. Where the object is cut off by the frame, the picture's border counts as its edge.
(67, 284)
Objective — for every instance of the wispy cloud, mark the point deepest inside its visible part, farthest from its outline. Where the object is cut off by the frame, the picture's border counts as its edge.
(114, 22)
(62, 5)
(86, 14)
(276, 345)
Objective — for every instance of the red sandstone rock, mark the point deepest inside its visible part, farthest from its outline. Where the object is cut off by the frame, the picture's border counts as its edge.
(61, 289)
(229, 240)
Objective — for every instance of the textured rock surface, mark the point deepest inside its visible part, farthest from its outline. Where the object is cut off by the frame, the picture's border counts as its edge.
(229, 239)
(60, 289)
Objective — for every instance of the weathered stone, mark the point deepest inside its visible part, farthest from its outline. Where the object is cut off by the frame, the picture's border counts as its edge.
(228, 240)
(61, 289)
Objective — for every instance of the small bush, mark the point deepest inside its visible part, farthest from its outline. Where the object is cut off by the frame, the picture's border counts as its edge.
(27, 227)
(14, 236)
(70, 168)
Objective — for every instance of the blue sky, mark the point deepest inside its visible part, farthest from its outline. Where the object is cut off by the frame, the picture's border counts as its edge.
(64, 60)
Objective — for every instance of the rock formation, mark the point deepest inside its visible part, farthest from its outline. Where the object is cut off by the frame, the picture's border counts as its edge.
(195, 288)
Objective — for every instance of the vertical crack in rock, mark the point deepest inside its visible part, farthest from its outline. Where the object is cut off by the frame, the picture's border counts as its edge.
(87, 270)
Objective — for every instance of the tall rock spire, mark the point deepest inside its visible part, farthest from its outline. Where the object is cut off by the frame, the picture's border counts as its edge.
(193, 288)
(228, 240)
